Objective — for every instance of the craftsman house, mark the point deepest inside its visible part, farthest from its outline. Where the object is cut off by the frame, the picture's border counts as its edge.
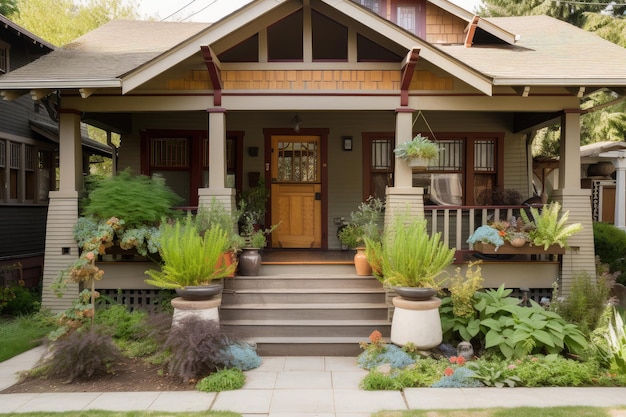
(28, 154)
(330, 86)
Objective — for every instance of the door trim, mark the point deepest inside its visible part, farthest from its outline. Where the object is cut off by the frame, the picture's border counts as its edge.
(323, 134)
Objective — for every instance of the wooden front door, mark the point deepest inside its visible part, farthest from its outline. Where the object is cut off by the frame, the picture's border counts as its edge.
(296, 191)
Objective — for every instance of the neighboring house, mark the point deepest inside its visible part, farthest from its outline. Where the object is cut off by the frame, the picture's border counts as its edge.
(28, 158)
(324, 89)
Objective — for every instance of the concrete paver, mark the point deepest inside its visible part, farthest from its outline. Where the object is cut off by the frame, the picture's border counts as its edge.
(299, 387)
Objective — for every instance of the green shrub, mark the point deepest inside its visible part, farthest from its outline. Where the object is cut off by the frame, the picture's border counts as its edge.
(554, 371)
(23, 301)
(123, 323)
(138, 200)
(610, 246)
(222, 380)
(586, 302)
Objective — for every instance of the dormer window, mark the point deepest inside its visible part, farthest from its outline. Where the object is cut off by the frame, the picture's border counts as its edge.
(4, 57)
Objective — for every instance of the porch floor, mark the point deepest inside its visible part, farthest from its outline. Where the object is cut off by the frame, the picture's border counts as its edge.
(307, 257)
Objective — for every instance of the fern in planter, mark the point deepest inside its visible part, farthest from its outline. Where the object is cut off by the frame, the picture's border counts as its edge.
(550, 229)
(188, 258)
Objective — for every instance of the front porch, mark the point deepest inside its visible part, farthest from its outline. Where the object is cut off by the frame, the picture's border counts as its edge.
(311, 302)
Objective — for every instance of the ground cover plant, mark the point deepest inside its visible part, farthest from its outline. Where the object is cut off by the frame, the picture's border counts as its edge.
(508, 412)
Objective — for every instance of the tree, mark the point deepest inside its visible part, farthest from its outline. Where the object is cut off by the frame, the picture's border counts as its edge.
(61, 21)
(8, 7)
(611, 28)
(567, 10)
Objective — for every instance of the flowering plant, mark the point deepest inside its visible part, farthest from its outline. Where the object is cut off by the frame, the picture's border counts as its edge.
(376, 342)
(500, 231)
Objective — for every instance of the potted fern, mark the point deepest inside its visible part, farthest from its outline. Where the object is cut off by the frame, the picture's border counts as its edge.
(191, 262)
(418, 152)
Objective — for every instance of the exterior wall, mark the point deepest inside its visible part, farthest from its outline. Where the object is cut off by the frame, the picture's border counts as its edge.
(442, 27)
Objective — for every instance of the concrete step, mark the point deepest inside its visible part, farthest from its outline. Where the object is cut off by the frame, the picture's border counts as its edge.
(308, 346)
(305, 295)
(269, 269)
(319, 311)
(250, 329)
(302, 280)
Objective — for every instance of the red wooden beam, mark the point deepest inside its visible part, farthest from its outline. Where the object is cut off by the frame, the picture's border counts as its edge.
(212, 65)
(471, 31)
(408, 69)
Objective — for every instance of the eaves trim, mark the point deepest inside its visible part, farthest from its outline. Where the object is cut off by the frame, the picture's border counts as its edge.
(59, 84)
(587, 82)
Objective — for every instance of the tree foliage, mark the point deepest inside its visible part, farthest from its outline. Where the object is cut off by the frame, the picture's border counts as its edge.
(569, 11)
(61, 21)
(8, 7)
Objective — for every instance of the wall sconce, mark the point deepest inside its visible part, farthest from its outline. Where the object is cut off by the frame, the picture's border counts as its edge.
(347, 143)
(253, 150)
(296, 123)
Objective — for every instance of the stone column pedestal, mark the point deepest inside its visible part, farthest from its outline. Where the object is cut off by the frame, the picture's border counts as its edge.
(205, 309)
(416, 322)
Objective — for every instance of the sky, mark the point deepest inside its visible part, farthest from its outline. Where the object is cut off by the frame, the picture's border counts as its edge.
(213, 10)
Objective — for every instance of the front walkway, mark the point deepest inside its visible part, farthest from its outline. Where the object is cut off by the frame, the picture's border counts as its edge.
(298, 387)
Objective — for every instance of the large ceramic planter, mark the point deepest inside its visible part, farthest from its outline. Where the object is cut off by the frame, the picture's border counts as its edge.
(361, 264)
(200, 292)
(249, 262)
(415, 293)
(416, 322)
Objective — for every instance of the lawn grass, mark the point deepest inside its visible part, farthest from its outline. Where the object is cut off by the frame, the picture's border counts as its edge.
(19, 335)
(510, 412)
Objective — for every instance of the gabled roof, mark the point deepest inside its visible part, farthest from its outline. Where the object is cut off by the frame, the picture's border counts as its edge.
(127, 54)
(549, 52)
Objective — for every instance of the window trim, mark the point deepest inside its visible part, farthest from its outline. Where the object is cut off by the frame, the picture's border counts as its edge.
(5, 62)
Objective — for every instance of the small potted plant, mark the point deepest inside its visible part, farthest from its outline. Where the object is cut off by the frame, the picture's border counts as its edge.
(191, 263)
(255, 240)
(418, 152)
(366, 223)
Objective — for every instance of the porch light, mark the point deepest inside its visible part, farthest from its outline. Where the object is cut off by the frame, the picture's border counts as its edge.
(296, 123)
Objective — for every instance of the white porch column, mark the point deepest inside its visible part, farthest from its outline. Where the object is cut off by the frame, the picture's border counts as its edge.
(403, 198)
(580, 258)
(60, 248)
(217, 162)
(403, 175)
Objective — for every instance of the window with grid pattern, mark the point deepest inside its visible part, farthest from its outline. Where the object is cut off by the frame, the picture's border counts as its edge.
(4, 58)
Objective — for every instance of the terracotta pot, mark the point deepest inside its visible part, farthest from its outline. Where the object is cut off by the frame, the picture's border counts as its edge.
(227, 259)
(518, 242)
(361, 263)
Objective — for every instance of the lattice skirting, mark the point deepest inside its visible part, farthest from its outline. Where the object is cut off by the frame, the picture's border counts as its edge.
(145, 300)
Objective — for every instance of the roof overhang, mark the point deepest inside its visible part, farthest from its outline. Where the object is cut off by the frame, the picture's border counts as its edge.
(38, 84)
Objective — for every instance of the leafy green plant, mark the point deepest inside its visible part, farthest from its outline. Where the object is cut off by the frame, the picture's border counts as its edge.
(418, 147)
(188, 258)
(616, 339)
(222, 380)
(492, 373)
(411, 257)
(501, 325)
(551, 227)
(462, 289)
(215, 214)
(22, 333)
(366, 222)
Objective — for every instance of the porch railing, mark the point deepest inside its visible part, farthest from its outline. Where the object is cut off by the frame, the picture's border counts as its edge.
(457, 223)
